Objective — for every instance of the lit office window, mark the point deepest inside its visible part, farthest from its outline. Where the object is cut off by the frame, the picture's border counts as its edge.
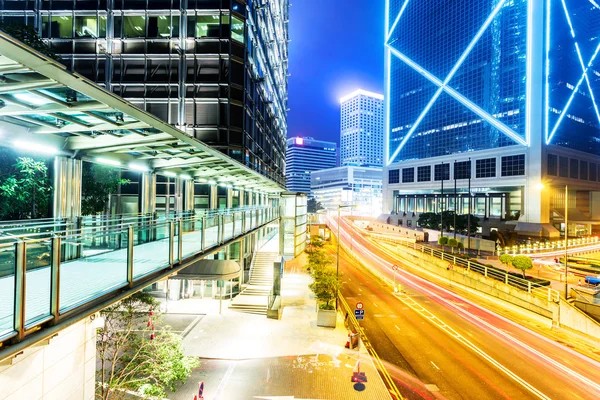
(237, 29)
(90, 27)
(60, 27)
(513, 165)
(201, 26)
(134, 26)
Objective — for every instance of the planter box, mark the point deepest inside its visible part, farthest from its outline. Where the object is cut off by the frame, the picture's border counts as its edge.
(327, 318)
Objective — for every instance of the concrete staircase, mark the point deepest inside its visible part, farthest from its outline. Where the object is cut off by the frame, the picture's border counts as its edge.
(254, 297)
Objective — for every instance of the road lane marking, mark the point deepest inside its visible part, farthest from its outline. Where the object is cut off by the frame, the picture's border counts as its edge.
(375, 305)
(397, 327)
(225, 380)
(436, 367)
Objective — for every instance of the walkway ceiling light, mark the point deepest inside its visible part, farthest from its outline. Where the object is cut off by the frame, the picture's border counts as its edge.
(201, 180)
(185, 176)
(107, 161)
(35, 147)
(138, 167)
(169, 173)
(212, 182)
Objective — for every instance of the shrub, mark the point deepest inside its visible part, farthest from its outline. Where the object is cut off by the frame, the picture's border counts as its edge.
(523, 263)
(443, 240)
(506, 259)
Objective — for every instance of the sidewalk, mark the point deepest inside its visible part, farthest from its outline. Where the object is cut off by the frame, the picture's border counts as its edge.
(246, 356)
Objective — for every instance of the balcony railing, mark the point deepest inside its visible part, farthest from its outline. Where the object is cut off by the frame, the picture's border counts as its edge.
(57, 266)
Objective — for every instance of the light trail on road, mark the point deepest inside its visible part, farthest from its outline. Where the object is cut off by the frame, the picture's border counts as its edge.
(535, 347)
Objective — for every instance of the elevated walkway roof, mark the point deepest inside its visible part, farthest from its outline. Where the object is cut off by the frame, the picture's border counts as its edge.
(205, 270)
(43, 103)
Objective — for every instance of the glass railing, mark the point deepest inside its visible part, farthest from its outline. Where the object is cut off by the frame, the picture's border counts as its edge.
(43, 276)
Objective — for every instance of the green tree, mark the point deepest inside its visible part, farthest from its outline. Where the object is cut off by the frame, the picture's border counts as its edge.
(523, 263)
(28, 35)
(443, 241)
(506, 259)
(461, 246)
(133, 356)
(25, 190)
(313, 206)
(452, 243)
(462, 223)
(98, 183)
(326, 286)
(429, 220)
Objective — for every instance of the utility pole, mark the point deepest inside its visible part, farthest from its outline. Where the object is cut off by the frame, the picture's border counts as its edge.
(469, 215)
(442, 200)
(566, 241)
(454, 199)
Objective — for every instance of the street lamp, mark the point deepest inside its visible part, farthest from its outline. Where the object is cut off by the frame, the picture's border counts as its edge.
(337, 266)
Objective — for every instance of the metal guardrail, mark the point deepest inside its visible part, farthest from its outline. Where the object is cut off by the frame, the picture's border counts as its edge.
(538, 290)
(47, 278)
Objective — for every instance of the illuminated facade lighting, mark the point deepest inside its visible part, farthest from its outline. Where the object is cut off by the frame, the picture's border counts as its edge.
(108, 161)
(35, 147)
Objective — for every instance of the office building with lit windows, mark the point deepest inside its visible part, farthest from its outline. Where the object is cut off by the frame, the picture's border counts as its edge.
(359, 187)
(216, 69)
(305, 155)
(501, 96)
(361, 129)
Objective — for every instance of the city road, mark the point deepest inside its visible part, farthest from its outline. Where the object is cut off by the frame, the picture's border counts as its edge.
(440, 345)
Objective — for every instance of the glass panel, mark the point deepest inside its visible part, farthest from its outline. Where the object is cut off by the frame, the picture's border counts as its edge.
(495, 207)
(61, 27)
(37, 289)
(7, 288)
(204, 26)
(228, 226)
(134, 26)
(238, 224)
(151, 256)
(211, 231)
(92, 264)
(237, 29)
(161, 27)
(192, 236)
(87, 27)
(248, 220)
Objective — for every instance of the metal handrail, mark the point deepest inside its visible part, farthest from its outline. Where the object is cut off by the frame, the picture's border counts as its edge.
(542, 291)
(20, 258)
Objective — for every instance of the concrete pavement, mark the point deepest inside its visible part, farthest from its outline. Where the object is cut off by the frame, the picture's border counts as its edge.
(246, 356)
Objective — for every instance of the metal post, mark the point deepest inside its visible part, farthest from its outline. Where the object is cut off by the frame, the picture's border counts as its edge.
(20, 288)
(55, 279)
(233, 223)
(180, 244)
(469, 218)
(130, 255)
(203, 234)
(454, 199)
(442, 199)
(566, 241)
(171, 242)
(243, 221)
(337, 266)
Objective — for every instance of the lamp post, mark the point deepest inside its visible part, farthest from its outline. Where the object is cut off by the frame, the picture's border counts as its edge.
(337, 260)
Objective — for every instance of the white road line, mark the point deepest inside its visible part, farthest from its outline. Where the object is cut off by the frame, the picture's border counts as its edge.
(375, 305)
(225, 380)
(397, 327)
(432, 363)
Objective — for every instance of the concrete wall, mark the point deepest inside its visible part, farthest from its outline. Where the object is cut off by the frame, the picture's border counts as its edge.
(409, 233)
(64, 369)
(575, 319)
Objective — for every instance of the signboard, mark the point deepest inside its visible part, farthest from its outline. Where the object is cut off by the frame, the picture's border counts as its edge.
(395, 267)
(359, 312)
(359, 305)
(360, 317)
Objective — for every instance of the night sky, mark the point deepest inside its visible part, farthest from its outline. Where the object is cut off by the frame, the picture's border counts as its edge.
(336, 47)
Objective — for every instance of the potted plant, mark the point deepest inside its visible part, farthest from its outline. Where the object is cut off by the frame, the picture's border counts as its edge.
(325, 285)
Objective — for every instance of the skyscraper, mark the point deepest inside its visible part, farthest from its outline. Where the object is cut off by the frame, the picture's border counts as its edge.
(501, 96)
(305, 155)
(361, 129)
(216, 69)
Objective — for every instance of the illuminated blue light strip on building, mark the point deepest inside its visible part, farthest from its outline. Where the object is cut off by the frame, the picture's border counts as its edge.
(460, 98)
(443, 85)
(583, 77)
(391, 31)
(529, 73)
(583, 68)
(547, 90)
(564, 112)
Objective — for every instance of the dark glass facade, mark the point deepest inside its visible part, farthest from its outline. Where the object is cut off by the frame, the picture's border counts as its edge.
(478, 48)
(573, 79)
(207, 67)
